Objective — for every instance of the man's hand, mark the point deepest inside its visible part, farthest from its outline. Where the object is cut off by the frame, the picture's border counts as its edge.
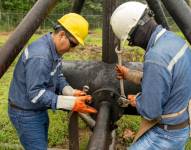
(121, 71)
(132, 100)
(69, 91)
(77, 104)
(80, 105)
(79, 93)
(133, 76)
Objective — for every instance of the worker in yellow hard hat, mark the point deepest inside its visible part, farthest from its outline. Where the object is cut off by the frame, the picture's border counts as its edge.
(39, 84)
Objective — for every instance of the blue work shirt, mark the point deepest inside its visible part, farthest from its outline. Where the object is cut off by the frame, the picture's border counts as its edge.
(37, 77)
(166, 82)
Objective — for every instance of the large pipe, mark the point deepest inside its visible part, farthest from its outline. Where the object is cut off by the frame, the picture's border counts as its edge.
(99, 139)
(23, 32)
(181, 13)
(99, 75)
(156, 7)
(77, 6)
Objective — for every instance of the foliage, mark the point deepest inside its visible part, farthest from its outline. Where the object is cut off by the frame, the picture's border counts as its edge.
(91, 6)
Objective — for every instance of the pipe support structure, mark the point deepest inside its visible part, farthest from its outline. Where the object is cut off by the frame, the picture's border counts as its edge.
(23, 32)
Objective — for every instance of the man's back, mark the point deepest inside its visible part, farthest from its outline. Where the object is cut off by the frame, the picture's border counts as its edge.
(168, 62)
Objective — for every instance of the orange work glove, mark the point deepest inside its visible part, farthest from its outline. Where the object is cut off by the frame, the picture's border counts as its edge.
(80, 105)
(75, 103)
(132, 100)
(79, 93)
(121, 71)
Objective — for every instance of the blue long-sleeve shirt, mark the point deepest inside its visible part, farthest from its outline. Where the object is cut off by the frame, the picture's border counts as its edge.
(166, 82)
(37, 77)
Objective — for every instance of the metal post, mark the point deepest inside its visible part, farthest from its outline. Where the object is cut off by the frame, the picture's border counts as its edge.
(73, 132)
(156, 7)
(88, 120)
(99, 139)
(23, 32)
(109, 40)
(181, 14)
(77, 6)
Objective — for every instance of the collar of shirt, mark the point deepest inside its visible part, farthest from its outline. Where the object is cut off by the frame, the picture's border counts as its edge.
(55, 55)
(153, 37)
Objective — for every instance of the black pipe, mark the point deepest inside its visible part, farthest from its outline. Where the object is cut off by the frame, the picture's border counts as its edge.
(77, 6)
(181, 14)
(99, 138)
(156, 7)
(23, 32)
(99, 75)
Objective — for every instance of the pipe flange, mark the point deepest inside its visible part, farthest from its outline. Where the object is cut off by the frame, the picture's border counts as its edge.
(110, 95)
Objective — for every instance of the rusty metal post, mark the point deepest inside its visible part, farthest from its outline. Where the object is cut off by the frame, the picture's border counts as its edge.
(156, 7)
(77, 6)
(181, 14)
(109, 40)
(23, 32)
(73, 132)
(99, 139)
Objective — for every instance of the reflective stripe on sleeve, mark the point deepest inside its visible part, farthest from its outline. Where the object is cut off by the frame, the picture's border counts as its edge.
(35, 99)
(26, 53)
(177, 57)
(55, 69)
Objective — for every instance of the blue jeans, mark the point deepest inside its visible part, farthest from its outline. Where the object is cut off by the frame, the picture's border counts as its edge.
(160, 139)
(32, 128)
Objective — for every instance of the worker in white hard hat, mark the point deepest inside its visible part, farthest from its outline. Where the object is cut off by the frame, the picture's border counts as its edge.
(166, 82)
(38, 83)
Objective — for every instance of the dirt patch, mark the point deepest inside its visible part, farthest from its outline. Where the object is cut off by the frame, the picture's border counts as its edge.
(5, 33)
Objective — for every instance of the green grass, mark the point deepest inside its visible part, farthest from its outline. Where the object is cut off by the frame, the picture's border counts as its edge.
(58, 130)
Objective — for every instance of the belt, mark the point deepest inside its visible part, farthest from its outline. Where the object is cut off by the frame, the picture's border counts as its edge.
(19, 108)
(174, 127)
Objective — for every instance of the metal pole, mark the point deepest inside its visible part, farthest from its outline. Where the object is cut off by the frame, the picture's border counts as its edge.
(99, 139)
(181, 14)
(73, 132)
(77, 6)
(23, 32)
(109, 40)
(156, 7)
(88, 120)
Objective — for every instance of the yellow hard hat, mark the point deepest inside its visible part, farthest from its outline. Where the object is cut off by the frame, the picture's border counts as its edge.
(76, 25)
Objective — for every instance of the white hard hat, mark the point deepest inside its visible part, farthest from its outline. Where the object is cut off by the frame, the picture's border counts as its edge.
(125, 18)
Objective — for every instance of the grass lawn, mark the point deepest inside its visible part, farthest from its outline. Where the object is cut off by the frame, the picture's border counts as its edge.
(58, 134)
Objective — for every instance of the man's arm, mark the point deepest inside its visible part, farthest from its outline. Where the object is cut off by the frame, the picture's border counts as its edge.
(134, 76)
(155, 90)
(37, 82)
